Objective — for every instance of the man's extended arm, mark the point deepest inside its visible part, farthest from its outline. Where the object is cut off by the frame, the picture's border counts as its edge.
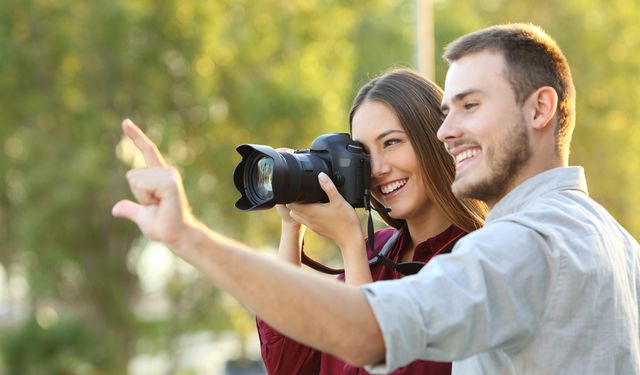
(332, 317)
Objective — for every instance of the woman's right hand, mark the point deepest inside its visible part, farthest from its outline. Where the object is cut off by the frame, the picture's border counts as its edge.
(285, 217)
(291, 235)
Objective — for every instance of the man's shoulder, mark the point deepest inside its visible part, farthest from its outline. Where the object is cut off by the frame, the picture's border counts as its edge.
(568, 222)
(501, 239)
(560, 210)
(499, 232)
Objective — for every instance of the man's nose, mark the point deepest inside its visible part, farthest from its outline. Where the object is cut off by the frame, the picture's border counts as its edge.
(449, 130)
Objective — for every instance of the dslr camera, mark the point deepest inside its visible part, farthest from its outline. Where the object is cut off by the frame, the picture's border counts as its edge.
(266, 177)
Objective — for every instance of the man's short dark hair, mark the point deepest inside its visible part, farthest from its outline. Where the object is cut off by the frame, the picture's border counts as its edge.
(533, 60)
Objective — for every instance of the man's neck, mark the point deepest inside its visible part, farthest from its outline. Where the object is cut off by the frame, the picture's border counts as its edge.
(534, 167)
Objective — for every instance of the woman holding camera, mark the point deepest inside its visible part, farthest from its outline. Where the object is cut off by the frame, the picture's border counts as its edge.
(395, 117)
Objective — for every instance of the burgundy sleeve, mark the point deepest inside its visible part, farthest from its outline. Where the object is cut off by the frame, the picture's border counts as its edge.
(284, 356)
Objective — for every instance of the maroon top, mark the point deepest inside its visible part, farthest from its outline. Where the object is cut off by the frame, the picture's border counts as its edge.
(284, 356)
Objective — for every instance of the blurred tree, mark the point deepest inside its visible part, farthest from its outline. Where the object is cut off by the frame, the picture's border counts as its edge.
(200, 77)
(58, 180)
(69, 347)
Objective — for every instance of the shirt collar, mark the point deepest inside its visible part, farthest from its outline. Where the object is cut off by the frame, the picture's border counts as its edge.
(556, 179)
(425, 249)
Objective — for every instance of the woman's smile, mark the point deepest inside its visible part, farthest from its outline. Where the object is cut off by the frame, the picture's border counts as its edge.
(389, 188)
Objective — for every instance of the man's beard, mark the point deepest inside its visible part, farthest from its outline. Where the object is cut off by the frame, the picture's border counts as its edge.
(514, 153)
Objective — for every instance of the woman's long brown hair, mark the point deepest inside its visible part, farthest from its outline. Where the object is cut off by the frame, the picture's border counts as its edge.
(416, 102)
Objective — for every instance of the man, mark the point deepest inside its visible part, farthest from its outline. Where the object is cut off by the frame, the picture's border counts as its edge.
(549, 285)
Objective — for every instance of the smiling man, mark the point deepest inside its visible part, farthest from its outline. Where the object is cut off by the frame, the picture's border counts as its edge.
(509, 107)
(485, 129)
(550, 285)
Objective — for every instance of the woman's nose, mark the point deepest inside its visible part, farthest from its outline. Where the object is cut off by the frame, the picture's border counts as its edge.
(379, 166)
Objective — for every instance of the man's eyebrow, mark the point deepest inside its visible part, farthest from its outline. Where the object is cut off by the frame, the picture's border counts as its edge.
(384, 134)
(459, 97)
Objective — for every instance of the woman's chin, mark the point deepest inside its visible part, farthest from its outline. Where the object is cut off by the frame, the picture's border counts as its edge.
(395, 214)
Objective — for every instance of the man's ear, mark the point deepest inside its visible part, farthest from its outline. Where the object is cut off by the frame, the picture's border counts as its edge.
(544, 102)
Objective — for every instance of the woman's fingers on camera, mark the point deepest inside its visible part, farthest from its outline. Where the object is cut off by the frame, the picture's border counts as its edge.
(328, 186)
(294, 213)
(284, 213)
(282, 209)
(303, 213)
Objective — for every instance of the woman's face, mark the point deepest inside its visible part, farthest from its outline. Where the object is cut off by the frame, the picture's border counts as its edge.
(396, 176)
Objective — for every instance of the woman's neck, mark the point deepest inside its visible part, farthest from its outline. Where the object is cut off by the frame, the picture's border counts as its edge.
(429, 225)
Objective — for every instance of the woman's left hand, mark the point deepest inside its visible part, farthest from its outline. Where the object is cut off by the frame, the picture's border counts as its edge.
(336, 220)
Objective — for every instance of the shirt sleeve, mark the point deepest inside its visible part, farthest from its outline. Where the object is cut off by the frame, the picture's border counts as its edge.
(489, 293)
(282, 355)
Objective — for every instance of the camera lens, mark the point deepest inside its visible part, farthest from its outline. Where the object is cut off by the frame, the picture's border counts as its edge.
(262, 178)
(266, 177)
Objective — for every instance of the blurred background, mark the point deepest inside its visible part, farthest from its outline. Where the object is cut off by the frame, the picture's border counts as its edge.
(81, 292)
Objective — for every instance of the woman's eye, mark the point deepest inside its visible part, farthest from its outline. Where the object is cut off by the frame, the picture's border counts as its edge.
(470, 105)
(391, 142)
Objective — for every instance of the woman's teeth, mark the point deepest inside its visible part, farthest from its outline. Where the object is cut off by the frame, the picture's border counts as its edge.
(393, 186)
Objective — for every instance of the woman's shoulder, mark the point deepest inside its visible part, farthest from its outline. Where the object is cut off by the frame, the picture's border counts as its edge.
(385, 234)
(380, 238)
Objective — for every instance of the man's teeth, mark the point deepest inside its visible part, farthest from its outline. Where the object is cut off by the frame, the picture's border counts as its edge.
(386, 189)
(467, 154)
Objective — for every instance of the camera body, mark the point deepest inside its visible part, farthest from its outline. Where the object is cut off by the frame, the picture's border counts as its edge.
(349, 167)
(266, 177)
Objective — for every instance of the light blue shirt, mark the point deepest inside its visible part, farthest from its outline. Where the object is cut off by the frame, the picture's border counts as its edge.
(550, 285)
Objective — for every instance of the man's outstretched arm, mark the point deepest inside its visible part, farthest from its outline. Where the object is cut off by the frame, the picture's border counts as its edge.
(319, 312)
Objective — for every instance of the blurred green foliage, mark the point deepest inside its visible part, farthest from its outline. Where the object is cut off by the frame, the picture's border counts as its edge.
(68, 347)
(202, 77)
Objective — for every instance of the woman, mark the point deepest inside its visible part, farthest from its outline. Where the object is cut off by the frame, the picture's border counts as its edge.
(395, 117)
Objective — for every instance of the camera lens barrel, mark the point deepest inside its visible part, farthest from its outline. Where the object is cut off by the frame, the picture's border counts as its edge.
(266, 177)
